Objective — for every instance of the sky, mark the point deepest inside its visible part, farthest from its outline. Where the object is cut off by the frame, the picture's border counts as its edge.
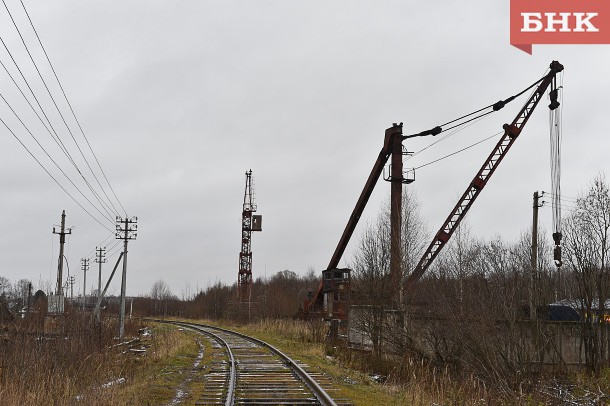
(179, 99)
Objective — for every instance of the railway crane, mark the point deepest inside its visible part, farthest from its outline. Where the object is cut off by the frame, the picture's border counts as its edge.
(331, 298)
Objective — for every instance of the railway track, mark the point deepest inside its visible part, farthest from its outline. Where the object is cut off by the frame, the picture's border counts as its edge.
(248, 371)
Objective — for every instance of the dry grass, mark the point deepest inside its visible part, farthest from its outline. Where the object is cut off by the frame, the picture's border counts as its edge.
(53, 368)
(405, 381)
(164, 370)
(77, 367)
(296, 339)
(71, 369)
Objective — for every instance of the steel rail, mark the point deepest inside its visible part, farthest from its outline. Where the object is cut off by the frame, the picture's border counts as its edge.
(230, 401)
(311, 383)
(320, 394)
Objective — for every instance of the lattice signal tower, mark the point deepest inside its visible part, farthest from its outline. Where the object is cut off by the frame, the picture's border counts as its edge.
(249, 223)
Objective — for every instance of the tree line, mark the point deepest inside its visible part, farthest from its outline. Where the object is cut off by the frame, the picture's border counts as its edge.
(472, 310)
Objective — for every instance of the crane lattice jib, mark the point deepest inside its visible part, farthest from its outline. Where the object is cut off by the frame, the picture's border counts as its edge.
(244, 279)
(511, 131)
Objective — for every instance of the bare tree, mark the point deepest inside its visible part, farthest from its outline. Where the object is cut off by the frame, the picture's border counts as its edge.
(587, 245)
(371, 283)
(5, 287)
(160, 294)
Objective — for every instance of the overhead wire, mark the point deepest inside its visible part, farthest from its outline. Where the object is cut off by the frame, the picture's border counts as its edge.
(443, 138)
(459, 151)
(52, 177)
(51, 158)
(58, 109)
(71, 109)
(91, 253)
(115, 248)
(106, 204)
(563, 197)
(53, 134)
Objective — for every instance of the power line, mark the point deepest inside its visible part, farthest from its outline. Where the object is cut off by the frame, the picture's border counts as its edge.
(52, 160)
(53, 134)
(57, 107)
(101, 244)
(563, 197)
(52, 177)
(71, 109)
(55, 137)
(461, 150)
(443, 138)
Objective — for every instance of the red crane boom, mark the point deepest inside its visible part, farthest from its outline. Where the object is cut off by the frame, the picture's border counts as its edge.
(333, 278)
(511, 132)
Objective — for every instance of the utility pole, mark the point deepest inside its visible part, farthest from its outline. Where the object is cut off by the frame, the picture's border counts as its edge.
(100, 258)
(85, 268)
(29, 297)
(534, 256)
(396, 180)
(62, 240)
(126, 229)
(71, 282)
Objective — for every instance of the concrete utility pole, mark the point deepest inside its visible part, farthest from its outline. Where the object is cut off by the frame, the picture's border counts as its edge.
(534, 256)
(60, 262)
(100, 258)
(71, 287)
(126, 230)
(85, 268)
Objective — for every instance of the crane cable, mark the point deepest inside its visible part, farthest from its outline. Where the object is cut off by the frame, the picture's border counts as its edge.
(555, 158)
(494, 107)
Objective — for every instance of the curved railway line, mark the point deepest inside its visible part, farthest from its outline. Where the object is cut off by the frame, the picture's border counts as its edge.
(248, 371)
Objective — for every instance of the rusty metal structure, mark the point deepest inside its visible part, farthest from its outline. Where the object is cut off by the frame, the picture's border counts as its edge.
(511, 132)
(335, 282)
(249, 223)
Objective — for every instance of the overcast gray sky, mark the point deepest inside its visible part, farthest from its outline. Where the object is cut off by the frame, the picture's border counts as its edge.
(179, 98)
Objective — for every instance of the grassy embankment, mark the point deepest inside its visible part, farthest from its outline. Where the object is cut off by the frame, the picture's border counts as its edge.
(84, 367)
(78, 370)
(422, 386)
(416, 383)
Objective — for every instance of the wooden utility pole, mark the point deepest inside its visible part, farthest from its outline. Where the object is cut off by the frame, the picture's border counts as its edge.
(534, 257)
(85, 268)
(126, 230)
(60, 262)
(396, 179)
